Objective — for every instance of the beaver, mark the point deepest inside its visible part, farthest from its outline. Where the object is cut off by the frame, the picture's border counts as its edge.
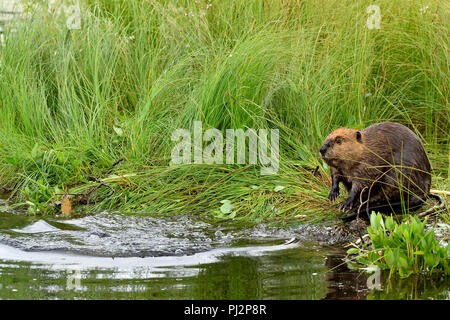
(383, 166)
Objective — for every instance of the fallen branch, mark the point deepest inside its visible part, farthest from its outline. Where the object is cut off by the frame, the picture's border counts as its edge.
(85, 196)
(447, 193)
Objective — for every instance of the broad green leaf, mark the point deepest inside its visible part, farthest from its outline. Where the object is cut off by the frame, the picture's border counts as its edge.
(373, 220)
(389, 257)
(226, 207)
(278, 188)
(353, 250)
(118, 131)
(403, 262)
(429, 259)
(390, 224)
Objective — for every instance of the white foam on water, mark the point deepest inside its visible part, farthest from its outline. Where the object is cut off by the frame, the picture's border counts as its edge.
(37, 227)
(61, 260)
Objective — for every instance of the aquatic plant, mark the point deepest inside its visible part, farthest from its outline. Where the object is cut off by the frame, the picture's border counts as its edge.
(404, 247)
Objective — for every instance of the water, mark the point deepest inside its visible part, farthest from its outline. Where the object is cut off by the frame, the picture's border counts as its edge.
(115, 256)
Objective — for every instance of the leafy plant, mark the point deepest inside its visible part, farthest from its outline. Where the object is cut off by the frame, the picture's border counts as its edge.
(37, 196)
(404, 248)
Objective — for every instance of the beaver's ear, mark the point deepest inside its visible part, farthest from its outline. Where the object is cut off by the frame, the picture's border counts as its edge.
(358, 136)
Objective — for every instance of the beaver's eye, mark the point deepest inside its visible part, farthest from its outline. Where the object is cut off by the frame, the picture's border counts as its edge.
(338, 141)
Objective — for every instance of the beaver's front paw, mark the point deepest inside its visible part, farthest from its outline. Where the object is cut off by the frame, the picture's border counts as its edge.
(334, 193)
(347, 205)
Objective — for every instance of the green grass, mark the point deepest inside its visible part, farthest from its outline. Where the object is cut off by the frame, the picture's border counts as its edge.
(150, 67)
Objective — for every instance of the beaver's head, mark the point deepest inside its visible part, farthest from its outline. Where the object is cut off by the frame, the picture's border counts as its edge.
(342, 144)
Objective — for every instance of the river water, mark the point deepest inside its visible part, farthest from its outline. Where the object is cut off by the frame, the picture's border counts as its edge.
(117, 256)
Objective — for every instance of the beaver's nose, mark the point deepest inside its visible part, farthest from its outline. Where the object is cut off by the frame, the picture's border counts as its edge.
(323, 149)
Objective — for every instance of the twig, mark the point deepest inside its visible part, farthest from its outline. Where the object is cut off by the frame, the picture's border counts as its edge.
(357, 242)
(113, 165)
(359, 209)
(447, 193)
(370, 189)
(360, 200)
(84, 196)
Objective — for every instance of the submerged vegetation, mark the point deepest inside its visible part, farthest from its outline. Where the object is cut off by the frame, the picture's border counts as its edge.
(73, 102)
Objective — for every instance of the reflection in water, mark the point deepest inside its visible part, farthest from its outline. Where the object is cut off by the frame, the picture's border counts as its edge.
(109, 256)
(287, 274)
(234, 278)
(413, 288)
(113, 256)
(291, 274)
(281, 275)
(344, 283)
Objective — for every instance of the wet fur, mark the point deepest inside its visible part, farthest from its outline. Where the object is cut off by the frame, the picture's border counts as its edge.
(386, 159)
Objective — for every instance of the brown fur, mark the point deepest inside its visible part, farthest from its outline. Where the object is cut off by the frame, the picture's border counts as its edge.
(386, 159)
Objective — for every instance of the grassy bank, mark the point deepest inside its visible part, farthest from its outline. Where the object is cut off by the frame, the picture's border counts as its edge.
(72, 102)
